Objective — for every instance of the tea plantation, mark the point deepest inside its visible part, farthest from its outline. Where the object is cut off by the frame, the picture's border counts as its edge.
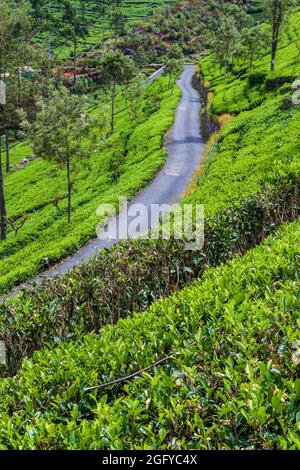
(230, 381)
(38, 190)
(242, 91)
(100, 18)
(150, 346)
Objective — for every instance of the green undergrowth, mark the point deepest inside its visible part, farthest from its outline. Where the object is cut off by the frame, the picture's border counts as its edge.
(131, 276)
(231, 380)
(126, 162)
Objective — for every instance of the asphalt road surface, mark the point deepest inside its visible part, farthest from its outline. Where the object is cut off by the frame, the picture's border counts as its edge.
(185, 149)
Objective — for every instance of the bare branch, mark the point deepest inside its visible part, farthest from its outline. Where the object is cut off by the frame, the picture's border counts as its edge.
(131, 376)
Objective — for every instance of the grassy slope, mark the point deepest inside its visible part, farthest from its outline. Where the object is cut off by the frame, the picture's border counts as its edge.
(233, 94)
(32, 191)
(231, 383)
(258, 142)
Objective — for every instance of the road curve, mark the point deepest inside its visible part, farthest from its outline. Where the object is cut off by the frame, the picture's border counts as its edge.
(185, 149)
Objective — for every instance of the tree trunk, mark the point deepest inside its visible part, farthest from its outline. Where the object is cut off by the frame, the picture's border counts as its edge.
(69, 191)
(277, 19)
(49, 35)
(103, 24)
(3, 221)
(103, 42)
(113, 107)
(251, 59)
(19, 86)
(75, 65)
(225, 69)
(231, 66)
(7, 152)
(274, 50)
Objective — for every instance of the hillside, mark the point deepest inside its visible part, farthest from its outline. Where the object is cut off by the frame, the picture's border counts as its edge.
(242, 91)
(105, 177)
(230, 381)
(101, 19)
(150, 346)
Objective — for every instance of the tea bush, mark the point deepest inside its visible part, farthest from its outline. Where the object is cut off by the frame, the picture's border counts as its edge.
(230, 381)
(130, 277)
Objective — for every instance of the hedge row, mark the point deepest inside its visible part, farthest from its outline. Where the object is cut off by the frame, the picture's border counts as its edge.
(130, 277)
(271, 81)
(230, 381)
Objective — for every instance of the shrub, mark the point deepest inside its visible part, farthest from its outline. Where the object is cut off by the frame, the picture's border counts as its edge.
(275, 81)
(129, 278)
(230, 380)
(256, 78)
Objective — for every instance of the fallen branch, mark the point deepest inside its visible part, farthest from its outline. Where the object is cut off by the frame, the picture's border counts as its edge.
(131, 376)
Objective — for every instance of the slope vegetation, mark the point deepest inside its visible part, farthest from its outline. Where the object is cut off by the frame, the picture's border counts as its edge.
(124, 165)
(228, 344)
(230, 381)
(244, 90)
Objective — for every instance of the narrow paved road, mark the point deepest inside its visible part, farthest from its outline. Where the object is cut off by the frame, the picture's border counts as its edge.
(155, 75)
(185, 149)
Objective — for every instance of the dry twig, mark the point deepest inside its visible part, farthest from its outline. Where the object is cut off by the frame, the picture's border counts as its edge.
(131, 376)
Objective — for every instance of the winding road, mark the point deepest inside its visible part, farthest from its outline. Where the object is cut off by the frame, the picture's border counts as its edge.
(185, 149)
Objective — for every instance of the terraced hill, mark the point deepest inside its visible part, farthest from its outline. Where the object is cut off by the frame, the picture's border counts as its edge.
(37, 191)
(104, 19)
(151, 347)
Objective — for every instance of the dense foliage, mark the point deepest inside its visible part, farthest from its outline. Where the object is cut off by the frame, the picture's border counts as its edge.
(129, 278)
(231, 380)
(229, 342)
